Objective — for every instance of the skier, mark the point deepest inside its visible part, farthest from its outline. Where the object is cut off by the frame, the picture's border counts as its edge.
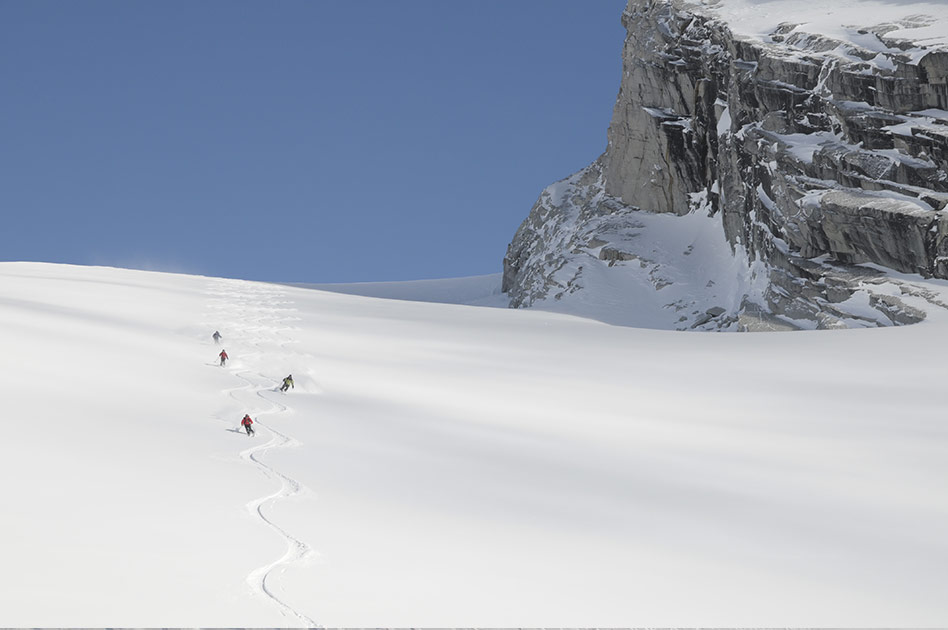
(217, 337)
(287, 383)
(223, 356)
(246, 422)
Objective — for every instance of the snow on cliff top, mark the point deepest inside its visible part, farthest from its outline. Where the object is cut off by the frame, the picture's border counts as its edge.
(872, 25)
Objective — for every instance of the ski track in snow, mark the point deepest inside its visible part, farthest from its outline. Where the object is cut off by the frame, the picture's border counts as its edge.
(264, 321)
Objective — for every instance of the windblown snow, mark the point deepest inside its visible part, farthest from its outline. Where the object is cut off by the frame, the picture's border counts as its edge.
(452, 465)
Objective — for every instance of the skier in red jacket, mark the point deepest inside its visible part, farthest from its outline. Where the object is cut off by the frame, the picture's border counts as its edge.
(223, 356)
(246, 422)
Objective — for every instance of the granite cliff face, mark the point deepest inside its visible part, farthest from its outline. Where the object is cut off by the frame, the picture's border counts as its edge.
(821, 162)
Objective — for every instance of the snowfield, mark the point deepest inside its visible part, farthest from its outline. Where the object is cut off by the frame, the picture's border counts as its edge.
(453, 465)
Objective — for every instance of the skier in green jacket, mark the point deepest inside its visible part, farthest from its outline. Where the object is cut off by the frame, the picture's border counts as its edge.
(287, 383)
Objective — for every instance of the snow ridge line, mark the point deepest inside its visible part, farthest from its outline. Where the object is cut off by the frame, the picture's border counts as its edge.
(240, 296)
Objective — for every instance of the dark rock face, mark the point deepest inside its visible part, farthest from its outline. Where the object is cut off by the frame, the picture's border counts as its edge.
(813, 162)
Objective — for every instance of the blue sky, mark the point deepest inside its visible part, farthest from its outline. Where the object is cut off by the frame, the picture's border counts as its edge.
(321, 141)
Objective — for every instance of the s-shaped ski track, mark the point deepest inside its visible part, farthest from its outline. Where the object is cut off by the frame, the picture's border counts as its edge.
(263, 321)
(296, 550)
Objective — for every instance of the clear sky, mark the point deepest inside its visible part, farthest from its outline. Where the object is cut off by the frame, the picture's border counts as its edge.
(320, 141)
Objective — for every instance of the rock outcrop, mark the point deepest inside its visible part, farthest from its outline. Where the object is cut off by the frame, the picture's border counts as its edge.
(824, 161)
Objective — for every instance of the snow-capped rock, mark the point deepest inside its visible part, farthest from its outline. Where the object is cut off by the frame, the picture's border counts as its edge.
(817, 140)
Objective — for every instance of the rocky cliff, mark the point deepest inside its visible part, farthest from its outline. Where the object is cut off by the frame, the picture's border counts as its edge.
(820, 160)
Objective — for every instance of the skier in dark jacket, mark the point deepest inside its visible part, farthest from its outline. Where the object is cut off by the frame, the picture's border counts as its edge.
(217, 337)
(223, 356)
(287, 383)
(246, 422)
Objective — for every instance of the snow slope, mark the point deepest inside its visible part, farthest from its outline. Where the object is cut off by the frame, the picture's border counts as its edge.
(448, 465)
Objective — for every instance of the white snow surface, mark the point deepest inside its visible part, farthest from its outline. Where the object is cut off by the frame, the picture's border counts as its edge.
(925, 24)
(450, 465)
(680, 266)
